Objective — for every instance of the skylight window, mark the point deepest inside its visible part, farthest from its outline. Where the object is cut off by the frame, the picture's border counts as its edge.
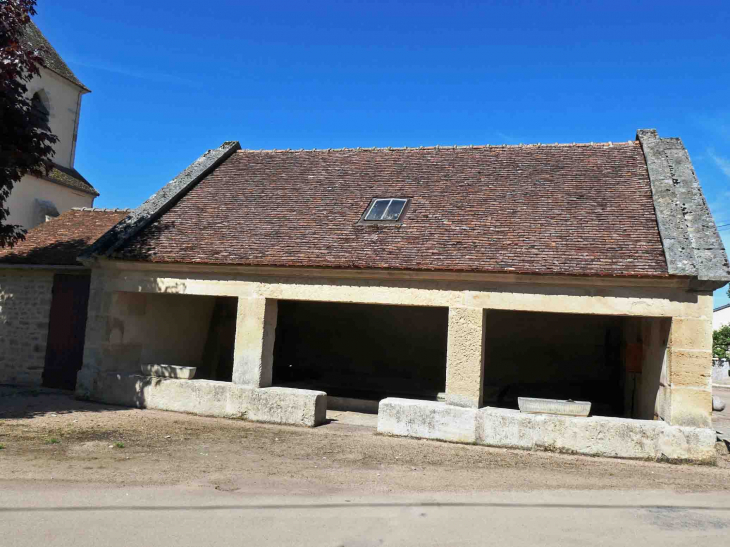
(385, 210)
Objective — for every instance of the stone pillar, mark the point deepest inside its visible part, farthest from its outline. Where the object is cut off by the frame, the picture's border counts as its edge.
(465, 357)
(688, 374)
(106, 348)
(253, 355)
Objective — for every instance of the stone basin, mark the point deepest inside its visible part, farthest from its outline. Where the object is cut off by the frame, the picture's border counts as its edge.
(169, 371)
(554, 406)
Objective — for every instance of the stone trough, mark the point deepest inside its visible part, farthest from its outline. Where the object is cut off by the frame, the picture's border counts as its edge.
(506, 428)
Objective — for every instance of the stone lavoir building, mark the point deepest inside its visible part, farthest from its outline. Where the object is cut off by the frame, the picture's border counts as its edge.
(436, 284)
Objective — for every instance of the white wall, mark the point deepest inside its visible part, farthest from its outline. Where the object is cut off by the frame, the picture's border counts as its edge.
(64, 100)
(720, 318)
(22, 205)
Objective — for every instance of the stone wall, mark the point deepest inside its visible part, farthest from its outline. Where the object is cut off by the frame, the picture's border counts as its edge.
(721, 372)
(154, 329)
(25, 305)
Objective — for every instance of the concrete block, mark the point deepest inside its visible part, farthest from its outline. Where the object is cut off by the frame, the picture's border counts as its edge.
(427, 420)
(595, 436)
(205, 397)
(506, 428)
(281, 405)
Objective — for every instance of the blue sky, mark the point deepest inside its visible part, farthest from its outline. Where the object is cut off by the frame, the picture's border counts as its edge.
(171, 79)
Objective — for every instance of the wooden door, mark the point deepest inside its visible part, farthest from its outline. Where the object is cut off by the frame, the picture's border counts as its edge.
(66, 330)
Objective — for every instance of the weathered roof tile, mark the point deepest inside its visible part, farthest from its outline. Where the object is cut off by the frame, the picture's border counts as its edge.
(582, 209)
(59, 241)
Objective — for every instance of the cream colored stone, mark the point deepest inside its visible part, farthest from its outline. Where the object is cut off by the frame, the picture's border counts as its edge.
(253, 355)
(427, 420)
(506, 428)
(691, 368)
(206, 398)
(466, 299)
(626, 301)
(693, 334)
(465, 357)
(691, 407)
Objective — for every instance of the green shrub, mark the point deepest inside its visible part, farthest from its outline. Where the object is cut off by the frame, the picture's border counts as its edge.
(721, 342)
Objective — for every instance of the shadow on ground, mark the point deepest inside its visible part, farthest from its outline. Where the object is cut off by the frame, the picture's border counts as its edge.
(30, 402)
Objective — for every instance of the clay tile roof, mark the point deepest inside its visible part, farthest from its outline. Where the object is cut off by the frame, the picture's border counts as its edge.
(581, 209)
(59, 241)
(36, 40)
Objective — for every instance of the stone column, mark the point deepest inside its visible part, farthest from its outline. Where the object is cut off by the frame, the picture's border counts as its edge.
(465, 357)
(106, 348)
(688, 374)
(253, 355)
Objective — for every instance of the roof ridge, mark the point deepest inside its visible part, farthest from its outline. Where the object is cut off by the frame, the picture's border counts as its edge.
(439, 147)
(102, 209)
(52, 59)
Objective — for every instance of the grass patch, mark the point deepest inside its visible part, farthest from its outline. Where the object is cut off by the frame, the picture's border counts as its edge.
(53, 440)
(2, 446)
(119, 444)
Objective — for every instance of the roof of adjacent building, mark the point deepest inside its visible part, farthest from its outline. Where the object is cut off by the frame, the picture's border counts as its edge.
(60, 241)
(721, 308)
(51, 58)
(71, 178)
(565, 209)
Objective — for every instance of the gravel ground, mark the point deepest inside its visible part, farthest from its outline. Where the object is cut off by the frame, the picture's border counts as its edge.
(48, 435)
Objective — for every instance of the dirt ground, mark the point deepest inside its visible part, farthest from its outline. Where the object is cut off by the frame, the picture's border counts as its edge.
(48, 435)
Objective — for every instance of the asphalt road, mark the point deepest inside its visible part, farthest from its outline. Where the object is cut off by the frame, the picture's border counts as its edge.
(33, 514)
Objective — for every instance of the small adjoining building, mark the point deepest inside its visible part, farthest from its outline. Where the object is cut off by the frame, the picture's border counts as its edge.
(720, 317)
(440, 284)
(44, 293)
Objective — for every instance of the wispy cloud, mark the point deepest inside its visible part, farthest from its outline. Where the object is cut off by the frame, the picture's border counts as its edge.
(132, 73)
(717, 124)
(721, 162)
(507, 139)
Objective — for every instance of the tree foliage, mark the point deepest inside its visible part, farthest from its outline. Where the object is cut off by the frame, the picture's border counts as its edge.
(721, 342)
(26, 141)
